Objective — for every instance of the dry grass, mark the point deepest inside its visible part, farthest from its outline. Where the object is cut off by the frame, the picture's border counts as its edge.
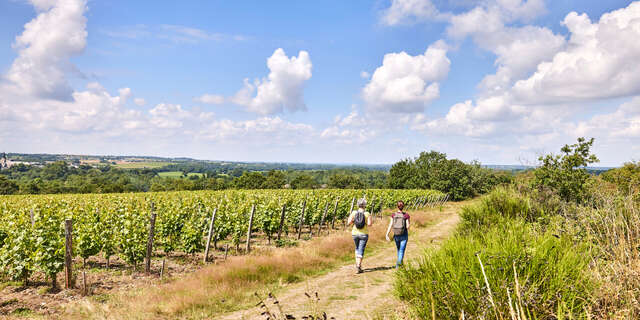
(231, 285)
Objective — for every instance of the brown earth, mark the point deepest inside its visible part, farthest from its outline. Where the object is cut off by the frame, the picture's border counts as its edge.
(344, 295)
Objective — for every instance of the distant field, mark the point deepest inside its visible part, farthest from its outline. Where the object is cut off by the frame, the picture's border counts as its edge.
(177, 174)
(142, 165)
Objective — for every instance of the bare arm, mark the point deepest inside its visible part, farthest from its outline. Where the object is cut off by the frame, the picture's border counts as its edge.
(369, 221)
(408, 223)
(389, 228)
(350, 219)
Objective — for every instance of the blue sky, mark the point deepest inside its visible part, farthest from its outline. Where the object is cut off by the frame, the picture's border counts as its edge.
(499, 81)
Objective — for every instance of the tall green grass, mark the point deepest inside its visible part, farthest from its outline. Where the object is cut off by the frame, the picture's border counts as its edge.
(552, 267)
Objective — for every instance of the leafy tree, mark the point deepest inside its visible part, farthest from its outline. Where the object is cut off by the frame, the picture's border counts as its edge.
(250, 180)
(344, 181)
(627, 177)
(566, 173)
(275, 180)
(303, 181)
(400, 174)
(8, 186)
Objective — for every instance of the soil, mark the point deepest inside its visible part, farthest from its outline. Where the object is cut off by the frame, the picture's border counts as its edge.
(342, 294)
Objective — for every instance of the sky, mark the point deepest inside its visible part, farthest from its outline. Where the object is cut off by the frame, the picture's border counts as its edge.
(498, 81)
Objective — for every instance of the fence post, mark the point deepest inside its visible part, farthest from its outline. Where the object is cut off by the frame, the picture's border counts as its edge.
(284, 209)
(349, 213)
(335, 211)
(152, 230)
(324, 215)
(211, 231)
(304, 205)
(33, 219)
(68, 254)
(253, 210)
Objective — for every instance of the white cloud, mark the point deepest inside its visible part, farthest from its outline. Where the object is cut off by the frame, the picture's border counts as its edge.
(45, 46)
(599, 62)
(365, 75)
(282, 90)
(139, 102)
(405, 83)
(351, 129)
(409, 11)
(210, 99)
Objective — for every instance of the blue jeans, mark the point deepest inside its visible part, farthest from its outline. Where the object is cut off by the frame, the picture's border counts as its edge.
(401, 244)
(361, 242)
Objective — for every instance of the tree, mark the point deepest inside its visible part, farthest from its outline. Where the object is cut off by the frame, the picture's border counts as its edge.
(249, 180)
(400, 174)
(345, 181)
(627, 177)
(303, 181)
(275, 180)
(566, 173)
(8, 186)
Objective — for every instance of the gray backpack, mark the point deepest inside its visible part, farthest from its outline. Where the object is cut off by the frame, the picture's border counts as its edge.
(399, 224)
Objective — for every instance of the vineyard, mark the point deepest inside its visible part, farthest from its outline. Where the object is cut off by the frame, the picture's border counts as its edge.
(33, 229)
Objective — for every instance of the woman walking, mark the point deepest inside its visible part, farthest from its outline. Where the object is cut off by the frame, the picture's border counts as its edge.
(399, 223)
(360, 220)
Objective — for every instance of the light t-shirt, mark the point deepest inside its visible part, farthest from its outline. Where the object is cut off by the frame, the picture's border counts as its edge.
(355, 231)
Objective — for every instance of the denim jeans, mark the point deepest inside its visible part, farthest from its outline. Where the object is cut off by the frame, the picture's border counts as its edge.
(401, 244)
(361, 242)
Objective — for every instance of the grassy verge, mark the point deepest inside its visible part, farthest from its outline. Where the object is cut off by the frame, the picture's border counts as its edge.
(230, 286)
(504, 263)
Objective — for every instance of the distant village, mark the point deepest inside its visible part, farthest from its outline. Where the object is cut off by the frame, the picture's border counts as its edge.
(6, 163)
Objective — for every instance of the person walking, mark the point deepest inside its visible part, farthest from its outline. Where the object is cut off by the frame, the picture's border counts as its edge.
(360, 220)
(399, 223)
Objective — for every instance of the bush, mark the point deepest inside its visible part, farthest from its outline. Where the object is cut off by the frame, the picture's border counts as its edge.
(566, 174)
(552, 274)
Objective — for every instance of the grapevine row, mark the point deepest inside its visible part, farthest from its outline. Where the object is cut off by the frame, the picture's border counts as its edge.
(32, 235)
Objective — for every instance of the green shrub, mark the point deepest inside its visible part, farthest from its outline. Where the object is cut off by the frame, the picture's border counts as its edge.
(552, 274)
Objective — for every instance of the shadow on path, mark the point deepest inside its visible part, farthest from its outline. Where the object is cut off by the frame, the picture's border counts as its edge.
(377, 269)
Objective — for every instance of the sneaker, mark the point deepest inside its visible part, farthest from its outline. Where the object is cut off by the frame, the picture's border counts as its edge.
(359, 270)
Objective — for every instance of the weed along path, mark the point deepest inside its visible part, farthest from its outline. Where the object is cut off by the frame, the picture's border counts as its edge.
(345, 295)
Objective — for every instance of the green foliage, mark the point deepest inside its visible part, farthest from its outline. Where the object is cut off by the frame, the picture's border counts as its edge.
(275, 180)
(303, 181)
(49, 245)
(552, 274)
(566, 173)
(626, 178)
(88, 240)
(249, 180)
(432, 170)
(16, 255)
(344, 181)
(506, 230)
(7, 186)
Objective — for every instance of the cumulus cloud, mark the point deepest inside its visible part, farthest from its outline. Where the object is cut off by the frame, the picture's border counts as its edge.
(210, 99)
(45, 46)
(405, 83)
(409, 11)
(37, 101)
(283, 89)
(353, 128)
(599, 62)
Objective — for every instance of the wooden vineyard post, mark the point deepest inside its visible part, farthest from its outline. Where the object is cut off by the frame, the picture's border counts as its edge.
(284, 209)
(304, 205)
(324, 215)
(335, 211)
(253, 210)
(349, 213)
(226, 250)
(373, 209)
(68, 253)
(210, 236)
(152, 229)
(33, 219)
(162, 269)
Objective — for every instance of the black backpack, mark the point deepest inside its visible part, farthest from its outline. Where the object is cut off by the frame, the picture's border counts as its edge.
(359, 219)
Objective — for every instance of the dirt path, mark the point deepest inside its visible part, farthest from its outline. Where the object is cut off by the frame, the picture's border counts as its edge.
(344, 295)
